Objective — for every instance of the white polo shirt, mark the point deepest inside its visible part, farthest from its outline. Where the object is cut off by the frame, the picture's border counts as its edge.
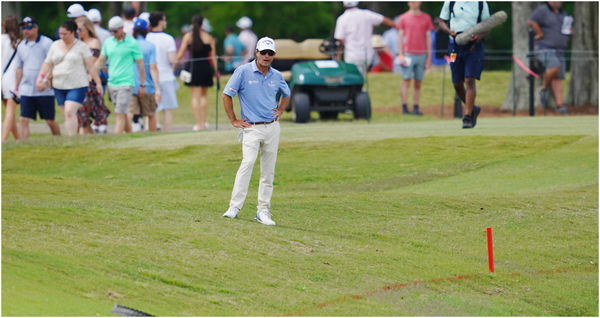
(165, 44)
(355, 28)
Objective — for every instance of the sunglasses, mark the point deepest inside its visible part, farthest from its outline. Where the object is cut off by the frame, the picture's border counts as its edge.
(114, 31)
(27, 27)
(264, 52)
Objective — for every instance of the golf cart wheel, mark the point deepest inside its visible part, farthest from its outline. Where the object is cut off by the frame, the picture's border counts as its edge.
(301, 103)
(362, 106)
(328, 115)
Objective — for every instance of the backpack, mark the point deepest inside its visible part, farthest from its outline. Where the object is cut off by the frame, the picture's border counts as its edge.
(452, 3)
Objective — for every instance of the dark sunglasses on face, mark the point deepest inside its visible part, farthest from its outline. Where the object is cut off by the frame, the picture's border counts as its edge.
(114, 31)
(264, 52)
(27, 27)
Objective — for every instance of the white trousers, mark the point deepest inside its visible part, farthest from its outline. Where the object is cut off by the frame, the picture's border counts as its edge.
(266, 139)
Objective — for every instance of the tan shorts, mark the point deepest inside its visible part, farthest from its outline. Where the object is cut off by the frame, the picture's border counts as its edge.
(142, 105)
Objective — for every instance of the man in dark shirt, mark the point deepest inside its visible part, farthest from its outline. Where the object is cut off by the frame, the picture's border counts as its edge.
(552, 29)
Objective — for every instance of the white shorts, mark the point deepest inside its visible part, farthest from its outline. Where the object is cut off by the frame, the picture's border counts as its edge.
(168, 91)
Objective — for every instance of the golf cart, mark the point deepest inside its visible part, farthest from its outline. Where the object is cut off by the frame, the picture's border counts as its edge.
(320, 84)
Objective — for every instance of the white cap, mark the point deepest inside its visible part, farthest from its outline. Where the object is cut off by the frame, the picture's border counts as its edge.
(115, 23)
(244, 23)
(377, 41)
(75, 11)
(94, 15)
(144, 16)
(206, 25)
(265, 44)
(350, 4)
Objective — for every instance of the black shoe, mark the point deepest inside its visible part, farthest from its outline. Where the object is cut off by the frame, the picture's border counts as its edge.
(562, 110)
(467, 121)
(474, 114)
(405, 110)
(416, 111)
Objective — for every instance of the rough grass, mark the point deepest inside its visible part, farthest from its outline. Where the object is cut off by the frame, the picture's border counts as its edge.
(373, 220)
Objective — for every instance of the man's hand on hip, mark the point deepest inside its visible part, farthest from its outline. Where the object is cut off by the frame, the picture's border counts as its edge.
(241, 123)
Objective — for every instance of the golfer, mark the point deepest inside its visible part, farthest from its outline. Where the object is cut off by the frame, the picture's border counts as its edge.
(257, 84)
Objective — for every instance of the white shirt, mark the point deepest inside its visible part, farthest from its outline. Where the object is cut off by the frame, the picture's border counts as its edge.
(102, 33)
(69, 70)
(128, 27)
(249, 39)
(8, 78)
(165, 44)
(355, 28)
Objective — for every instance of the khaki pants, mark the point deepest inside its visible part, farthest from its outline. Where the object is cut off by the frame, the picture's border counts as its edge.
(266, 139)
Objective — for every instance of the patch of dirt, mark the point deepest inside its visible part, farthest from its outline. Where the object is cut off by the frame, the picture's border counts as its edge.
(490, 111)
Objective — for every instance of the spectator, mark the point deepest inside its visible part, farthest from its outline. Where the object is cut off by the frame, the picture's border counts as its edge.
(128, 17)
(70, 61)
(93, 104)
(466, 61)
(552, 29)
(383, 59)
(257, 84)
(202, 46)
(247, 37)
(29, 59)
(234, 50)
(122, 53)
(95, 16)
(390, 38)
(145, 105)
(165, 59)
(354, 28)
(74, 11)
(206, 26)
(414, 51)
(11, 37)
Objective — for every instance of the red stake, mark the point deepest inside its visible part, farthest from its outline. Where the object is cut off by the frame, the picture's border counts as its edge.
(490, 250)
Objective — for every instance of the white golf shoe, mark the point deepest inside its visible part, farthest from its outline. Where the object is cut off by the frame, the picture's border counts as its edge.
(231, 213)
(264, 217)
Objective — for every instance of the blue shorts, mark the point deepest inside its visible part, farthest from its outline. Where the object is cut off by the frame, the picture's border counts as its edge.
(32, 105)
(551, 58)
(468, 62)
(168, 100)
(416, 68)
(76, 95)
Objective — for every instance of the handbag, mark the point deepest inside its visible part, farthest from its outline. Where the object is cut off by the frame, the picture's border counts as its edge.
(185, 75)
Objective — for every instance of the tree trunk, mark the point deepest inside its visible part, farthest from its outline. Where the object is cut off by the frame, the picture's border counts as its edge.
(583, 88)
(518, 91)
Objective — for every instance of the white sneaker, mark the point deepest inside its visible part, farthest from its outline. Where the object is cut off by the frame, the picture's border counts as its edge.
(231, 213)
(136, 127)
(264, 217)
(102, 129)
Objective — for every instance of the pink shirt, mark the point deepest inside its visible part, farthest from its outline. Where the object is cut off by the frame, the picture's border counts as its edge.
(415, 28)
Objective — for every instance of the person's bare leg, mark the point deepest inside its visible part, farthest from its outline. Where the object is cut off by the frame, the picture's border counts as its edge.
(549, 76)
(152, 122)
(557, 90)
(417, 92)
(70, 112)
(24, 128)
(120, 122)
(459, 88)
(404, 91)
(54, 128)
(203, 107)
(168, 119)
(196, 107)
(470, 95)
(10, 123)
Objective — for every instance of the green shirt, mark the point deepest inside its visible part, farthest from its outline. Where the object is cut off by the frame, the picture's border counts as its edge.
(121, 57)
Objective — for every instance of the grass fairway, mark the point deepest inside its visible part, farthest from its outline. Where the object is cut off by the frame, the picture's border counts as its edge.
(372, 219)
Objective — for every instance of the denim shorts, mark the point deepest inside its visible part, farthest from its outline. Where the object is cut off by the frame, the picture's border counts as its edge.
(76, 95)
(551, 58)
(416, 68)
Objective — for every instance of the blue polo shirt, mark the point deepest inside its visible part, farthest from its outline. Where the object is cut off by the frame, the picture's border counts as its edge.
(30, 57)
(257, 92)
(149, 52)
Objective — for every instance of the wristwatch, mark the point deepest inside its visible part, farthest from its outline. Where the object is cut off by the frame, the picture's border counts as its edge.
(142, 85)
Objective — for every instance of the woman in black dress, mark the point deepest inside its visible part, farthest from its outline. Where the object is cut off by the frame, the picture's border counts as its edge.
(203, 66)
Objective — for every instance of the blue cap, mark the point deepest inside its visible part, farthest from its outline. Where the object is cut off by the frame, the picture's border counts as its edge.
(140, 24)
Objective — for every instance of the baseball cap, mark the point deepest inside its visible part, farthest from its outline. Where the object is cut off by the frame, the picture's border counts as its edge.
(28, 21)
(140, 24)
(115, 23)
(350, 4)
(94, 15)
(377, 41)
(75, 11)
(266, 43)
(244, 23)
(206, 26)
